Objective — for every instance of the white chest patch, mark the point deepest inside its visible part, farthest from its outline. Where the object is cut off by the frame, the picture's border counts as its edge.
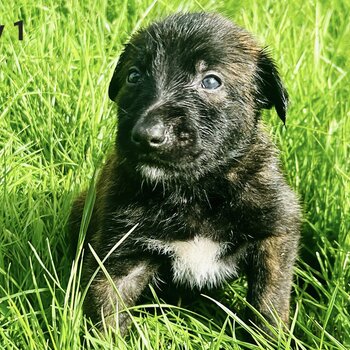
(197, 262)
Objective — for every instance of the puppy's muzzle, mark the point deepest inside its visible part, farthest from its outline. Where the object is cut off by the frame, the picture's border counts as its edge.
(150, 134)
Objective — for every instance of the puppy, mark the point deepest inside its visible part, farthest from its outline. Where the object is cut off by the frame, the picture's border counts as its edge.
(194, 170)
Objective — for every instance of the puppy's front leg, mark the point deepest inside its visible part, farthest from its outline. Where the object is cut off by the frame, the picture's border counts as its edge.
(104, 304)
(269, 270)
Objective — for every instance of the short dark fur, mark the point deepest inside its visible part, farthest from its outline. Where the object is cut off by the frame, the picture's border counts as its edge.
(192, 162)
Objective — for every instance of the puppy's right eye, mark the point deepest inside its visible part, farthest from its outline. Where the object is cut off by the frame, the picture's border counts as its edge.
(134, 76)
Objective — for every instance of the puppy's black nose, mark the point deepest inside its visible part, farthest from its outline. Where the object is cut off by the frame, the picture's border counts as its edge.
(149, 135)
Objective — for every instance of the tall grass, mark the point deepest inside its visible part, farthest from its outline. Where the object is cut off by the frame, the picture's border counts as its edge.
(56, 125)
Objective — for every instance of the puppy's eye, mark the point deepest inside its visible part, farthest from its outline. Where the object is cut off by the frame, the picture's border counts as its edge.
(134, 76)
(211, 82)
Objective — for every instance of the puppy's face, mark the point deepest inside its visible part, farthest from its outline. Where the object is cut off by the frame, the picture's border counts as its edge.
(189, 91)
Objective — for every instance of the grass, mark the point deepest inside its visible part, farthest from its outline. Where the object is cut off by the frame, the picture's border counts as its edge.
(56, 124)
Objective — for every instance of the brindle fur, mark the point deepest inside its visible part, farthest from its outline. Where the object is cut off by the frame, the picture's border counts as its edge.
(217, 176)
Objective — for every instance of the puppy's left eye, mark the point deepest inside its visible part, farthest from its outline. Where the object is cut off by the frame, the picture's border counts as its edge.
(211, 82)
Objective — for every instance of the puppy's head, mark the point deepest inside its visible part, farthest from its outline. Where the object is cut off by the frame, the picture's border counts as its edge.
(189, 91)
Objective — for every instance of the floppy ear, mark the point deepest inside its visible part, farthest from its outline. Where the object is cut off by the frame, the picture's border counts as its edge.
(117, 80)
(271, 91)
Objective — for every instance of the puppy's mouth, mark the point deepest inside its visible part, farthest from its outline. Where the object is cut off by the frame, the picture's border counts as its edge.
(152, 173)
(160, 169)
(166, 162)
(153, 161)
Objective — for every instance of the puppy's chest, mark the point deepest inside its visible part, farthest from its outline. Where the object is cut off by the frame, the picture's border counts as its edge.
(198, 262)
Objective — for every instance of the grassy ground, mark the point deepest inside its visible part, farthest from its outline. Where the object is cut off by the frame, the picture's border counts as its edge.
(56, 123)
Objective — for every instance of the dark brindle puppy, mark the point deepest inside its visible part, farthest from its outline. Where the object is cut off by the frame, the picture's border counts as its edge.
(194, 169)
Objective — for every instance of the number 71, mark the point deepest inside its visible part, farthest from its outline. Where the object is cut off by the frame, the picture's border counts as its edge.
(20, 29)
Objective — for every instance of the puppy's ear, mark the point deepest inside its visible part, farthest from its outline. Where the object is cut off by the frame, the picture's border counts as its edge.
(117, 80)
(271, 91)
